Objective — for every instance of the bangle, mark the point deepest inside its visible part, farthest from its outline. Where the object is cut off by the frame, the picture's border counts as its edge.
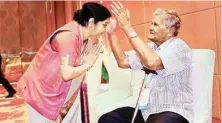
(132, 34)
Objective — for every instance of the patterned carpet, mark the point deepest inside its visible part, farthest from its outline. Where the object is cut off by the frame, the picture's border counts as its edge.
(13, 110)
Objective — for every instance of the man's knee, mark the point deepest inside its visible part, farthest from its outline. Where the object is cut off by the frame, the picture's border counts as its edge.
(120, 115)
(166, 117)
(106, 118)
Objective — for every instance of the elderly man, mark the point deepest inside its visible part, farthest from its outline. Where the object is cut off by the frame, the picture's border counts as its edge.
(170, 99)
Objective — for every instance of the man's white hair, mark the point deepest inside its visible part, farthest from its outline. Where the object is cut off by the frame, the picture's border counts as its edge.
(171, 19)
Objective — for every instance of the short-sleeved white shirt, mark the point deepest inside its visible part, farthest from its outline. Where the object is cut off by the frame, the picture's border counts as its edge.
(171, 87)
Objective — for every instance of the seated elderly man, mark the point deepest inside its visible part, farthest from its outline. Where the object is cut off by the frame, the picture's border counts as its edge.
(170, 99)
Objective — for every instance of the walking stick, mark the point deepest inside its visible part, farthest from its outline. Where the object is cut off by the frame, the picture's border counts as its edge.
(138, 100)
(146, 79)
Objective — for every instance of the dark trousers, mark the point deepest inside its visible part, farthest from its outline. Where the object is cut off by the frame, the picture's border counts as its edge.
(125, 114)
(4, 81)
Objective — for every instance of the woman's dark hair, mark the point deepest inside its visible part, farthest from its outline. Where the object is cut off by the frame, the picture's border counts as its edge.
(91, 10)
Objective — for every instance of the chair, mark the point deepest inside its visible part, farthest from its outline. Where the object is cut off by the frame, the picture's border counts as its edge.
(202, 77)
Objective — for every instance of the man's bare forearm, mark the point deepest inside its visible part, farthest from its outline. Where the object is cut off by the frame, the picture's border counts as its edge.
(119, 54)
(147, 56)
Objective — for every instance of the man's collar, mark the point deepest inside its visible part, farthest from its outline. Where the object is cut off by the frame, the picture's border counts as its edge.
(166, 43)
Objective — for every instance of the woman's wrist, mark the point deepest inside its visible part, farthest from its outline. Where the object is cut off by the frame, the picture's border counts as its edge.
(88, 66)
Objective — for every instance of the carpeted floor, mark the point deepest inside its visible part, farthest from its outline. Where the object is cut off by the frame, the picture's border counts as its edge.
(13, 110)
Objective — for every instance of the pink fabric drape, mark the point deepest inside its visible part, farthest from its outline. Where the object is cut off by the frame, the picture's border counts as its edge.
(84, 103)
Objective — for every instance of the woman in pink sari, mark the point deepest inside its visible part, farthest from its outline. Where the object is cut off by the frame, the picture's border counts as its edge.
(57, 70)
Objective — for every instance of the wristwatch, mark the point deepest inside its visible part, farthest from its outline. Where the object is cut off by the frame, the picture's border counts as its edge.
(133, 34)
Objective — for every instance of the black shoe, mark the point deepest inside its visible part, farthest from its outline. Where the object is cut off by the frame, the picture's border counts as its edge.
(11, 95)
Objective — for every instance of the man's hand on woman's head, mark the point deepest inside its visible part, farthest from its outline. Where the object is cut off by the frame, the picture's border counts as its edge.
(122, 14)
(111, 27)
